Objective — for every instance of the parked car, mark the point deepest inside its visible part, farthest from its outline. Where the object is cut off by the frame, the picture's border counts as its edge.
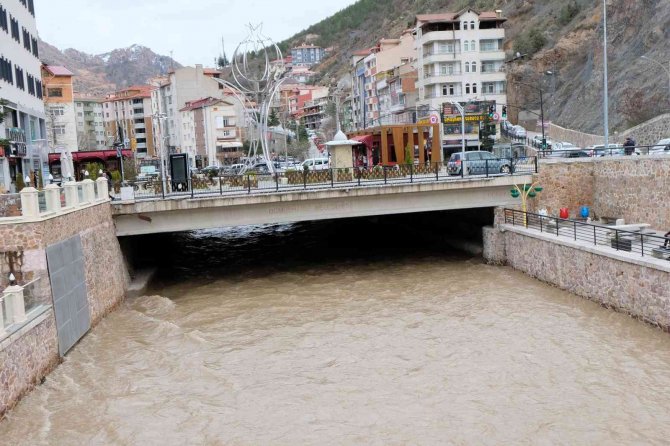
(519, 131)
(232, 169)
(477, 162)
(662, 147)
(600, 150)
(315, 164)
(569, 153)
(210, 170)
(565, 146)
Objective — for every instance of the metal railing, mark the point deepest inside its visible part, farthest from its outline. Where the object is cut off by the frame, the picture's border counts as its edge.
(642, 242)
(590, 152)
(297, 180)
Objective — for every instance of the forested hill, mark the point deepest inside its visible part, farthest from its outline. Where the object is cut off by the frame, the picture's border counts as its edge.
(564, 37)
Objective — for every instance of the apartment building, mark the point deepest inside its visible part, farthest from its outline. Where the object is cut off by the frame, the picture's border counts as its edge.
(212, 131)
(307, 55)
(60, 109)
(89, 115)
(460, 58)
(181, 86)
(24, 125)
(128, 118)
(372, 70)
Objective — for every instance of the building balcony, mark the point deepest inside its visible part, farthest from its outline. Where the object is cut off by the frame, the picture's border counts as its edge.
(432, 78)
(477, 34)
(429, 58)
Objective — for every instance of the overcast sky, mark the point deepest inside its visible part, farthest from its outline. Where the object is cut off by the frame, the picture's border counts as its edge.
(191, 28)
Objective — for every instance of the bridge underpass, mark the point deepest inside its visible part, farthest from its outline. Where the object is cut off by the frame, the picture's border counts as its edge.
(185, 214)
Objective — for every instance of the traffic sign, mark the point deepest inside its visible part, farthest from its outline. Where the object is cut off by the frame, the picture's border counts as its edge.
(434, 119)
(496, 116)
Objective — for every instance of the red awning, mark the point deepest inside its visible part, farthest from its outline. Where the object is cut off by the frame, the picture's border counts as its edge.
(364, 139)
(91, 155)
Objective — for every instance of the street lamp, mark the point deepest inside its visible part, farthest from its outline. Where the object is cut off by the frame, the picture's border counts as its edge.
(161, 117)
(526, 191)
(667, 70)
(462, 112)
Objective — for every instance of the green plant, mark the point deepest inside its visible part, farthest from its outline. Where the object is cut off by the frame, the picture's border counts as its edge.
(568, 12)
(93, 170)
(530, 42)
(40, 179)
(129, 170)
(409, 153)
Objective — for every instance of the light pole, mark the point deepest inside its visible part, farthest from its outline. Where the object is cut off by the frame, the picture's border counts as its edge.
(605, 90)
(461, 110)
(161, 117)
(667, 70)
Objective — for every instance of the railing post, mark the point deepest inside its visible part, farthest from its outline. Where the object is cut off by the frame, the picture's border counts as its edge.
(384, 169)
(88, 189)
(642, 243)
(535, 161)
(437, 172)
(276, 175)
(30, 206)
(220, 185)
(71, 194)
(15, 304)
(513, 220)
(411, 173)
(575, 223)
(557, 223)
(304, 179)
(359, 177)
(486, 167)
(595, 236)
(248, 183)
(332, 180)
(52, 196)
(616, 238)
(541, 218)
(101, 188)
(190, 181)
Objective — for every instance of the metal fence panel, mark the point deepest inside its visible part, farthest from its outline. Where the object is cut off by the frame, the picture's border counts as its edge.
(70, 295)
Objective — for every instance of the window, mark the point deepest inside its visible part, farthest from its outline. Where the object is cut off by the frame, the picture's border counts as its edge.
(107, 115)
(20, 82)
(6, 73)
(472, 25)
(488, 87)
(59, 129)
(80, 114)
(474, 88)
(467, 88)
(26, 39)
(38, 89)
(466, 46)
(31, 85)
(55, 92)
(474, 67)
(465, 26)
(472, 46)
(79, 104)
(467, 67)
(3, 19)
(15, 29)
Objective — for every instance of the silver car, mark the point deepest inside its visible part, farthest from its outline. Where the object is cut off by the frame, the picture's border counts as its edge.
(478, 162)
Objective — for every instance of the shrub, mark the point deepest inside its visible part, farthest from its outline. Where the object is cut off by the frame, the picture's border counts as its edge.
(530, 42)
(20, 184)
(568, 12)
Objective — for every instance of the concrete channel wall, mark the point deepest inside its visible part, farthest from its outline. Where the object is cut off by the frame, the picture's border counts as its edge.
(28, 353)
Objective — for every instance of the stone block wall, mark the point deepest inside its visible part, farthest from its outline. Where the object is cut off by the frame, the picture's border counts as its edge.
(634, 188)
(649, 132)
(26, 360)
(641, 291)
(10, 205)
(23, 252)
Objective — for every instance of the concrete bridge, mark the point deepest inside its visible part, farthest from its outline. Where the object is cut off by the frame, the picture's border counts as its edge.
(185, 213)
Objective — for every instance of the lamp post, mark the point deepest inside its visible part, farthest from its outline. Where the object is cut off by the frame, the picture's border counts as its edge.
(666, 69)
(161, 117)
(461, 110)
(526, 191)
(605, 90)
(544, 138)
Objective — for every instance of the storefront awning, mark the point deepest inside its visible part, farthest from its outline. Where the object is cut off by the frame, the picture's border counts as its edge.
(91, 155)
(229, 144)
(363, 139)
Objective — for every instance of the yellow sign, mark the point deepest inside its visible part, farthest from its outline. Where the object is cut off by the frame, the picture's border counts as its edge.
(468, 118)
(133, 144)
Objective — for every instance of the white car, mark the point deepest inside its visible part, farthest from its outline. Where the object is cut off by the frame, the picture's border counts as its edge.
(519, 131)
(661, 148)
(565, 146)
(315, 164)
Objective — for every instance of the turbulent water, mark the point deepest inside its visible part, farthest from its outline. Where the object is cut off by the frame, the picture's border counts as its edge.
(332, 334)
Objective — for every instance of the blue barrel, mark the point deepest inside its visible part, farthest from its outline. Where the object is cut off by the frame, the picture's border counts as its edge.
(585, 212)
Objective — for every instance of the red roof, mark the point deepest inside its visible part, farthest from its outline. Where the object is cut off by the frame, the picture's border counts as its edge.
(361, 52)
(57, 70)
(200, 103)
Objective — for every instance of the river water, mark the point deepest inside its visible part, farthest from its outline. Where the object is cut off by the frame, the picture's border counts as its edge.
(352, 332)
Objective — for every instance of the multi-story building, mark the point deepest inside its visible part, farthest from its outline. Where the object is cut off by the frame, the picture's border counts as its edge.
(21, 88)
(90, 123)
(460, 58)
(307, 55)
(59, 108)
(211, 130)
(128, 118)
(182, 86)
(397, 93)
(359, 113)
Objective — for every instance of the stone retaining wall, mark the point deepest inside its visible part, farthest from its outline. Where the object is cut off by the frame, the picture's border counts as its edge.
(630, 287)
(24, 252)
(634, 188)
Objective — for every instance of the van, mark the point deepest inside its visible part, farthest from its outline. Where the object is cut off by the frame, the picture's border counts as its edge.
(315, 164)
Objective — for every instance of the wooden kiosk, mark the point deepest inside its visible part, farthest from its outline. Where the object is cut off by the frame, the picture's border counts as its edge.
(386, 144)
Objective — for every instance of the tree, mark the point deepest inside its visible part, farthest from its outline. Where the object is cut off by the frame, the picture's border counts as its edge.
(486, 132)
(3, 112)
(530, 42)
(273, 120)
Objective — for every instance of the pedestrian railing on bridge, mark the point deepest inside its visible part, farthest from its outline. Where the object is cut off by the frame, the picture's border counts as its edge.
(299, 180)
(642, 241)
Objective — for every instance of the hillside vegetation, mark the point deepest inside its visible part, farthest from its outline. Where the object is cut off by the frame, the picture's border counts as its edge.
(563, 37)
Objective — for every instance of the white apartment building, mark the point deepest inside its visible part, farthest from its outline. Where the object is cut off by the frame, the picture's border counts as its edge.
(183, 85)
(90, 123)
(21, 88)
(211, 129)
(59, 108)
(460, 58)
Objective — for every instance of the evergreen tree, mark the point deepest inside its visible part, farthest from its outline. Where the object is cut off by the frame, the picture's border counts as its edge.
(487, 129)
(273, 120)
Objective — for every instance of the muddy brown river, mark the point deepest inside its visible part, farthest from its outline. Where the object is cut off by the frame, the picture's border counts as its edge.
(387, 348)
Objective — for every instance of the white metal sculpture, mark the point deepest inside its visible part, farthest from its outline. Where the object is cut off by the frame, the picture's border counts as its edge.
(257, 80)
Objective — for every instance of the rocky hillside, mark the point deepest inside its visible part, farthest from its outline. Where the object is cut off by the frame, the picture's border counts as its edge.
(563, 37)
(102, 73)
